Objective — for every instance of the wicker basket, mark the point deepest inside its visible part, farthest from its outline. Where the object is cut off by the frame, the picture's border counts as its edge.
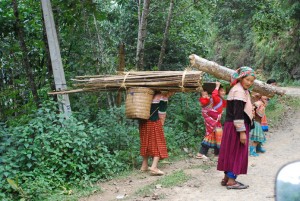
(138, 103)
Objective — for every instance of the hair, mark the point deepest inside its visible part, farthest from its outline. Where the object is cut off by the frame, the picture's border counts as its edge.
(270, 81)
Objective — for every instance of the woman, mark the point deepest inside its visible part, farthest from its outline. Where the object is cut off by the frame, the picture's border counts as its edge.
(153, 143)
(233, 157)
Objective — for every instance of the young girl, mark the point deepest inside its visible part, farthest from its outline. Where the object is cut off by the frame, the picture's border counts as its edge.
(152, 139)
(212, 109)
(233, 158)
(257, 135)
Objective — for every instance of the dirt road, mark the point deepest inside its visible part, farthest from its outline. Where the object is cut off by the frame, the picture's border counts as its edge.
(283, 146)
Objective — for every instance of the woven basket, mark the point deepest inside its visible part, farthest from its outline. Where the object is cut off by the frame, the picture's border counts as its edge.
(138, 103)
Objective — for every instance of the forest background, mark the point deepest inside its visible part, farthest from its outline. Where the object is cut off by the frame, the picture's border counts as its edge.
(42, 153)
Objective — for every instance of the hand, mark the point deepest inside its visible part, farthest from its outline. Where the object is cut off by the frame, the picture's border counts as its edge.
(243, 137)
(218, 85)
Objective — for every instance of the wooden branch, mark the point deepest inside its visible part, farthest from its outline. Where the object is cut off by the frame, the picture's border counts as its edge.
(224, 73)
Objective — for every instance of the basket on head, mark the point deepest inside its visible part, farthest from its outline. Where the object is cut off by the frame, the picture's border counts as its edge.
(138, 103)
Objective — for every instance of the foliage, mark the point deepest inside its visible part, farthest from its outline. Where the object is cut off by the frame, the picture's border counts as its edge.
(51, 151)
(42, 152)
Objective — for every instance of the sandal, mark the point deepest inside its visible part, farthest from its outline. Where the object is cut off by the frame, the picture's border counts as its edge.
(156, 173)
(201, 157)
(237, 185)
(142, 170)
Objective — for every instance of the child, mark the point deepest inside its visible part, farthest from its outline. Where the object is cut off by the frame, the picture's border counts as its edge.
(257, 135)
(233, 158)
(212, 109)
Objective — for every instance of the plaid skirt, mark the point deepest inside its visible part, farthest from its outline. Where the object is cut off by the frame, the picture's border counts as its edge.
(257, 134)
(152, 139)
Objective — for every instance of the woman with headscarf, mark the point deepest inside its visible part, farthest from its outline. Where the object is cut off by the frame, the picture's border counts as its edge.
(233, 157)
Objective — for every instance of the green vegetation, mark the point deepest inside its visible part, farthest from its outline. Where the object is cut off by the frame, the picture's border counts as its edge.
(278, 107)
(45, 156)
(174, 179)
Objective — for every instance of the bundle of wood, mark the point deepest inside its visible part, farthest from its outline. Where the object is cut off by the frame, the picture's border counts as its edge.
(177, 81)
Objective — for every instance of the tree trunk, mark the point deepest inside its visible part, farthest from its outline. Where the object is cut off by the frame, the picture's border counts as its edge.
(20, 33)
(142, 36)
(121, 68)
(224, 73)
(100, 46)
(164, 43)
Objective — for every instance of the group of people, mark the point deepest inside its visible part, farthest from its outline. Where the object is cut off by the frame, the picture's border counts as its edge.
(244, 127)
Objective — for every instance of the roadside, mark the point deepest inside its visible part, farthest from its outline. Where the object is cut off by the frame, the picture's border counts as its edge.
(203, 180)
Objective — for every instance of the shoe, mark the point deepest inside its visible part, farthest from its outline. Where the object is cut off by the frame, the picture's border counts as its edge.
(201, 157)
(237, 185)
(143, 170)
(260, 149)
(253, 151)
(156, 173)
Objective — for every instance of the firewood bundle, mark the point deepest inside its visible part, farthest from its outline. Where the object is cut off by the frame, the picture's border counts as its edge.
(177, 81)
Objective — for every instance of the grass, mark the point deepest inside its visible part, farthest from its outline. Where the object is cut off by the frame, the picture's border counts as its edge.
(73, 194)
(278, 106)
(174, 179)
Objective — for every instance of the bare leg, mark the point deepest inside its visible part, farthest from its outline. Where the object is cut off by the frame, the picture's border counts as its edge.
(145, 163)
(155, 163)
(154, 170)
(231, 181)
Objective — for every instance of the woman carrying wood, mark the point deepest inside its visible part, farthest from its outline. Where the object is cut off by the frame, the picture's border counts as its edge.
(233, 157)
(152, 139)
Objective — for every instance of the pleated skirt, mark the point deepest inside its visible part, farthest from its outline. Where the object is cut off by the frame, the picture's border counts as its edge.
(233, 155)
(257, 134)
(213, 140)
(152, 139)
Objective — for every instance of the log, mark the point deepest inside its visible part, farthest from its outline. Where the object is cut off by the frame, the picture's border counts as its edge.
(225, 73)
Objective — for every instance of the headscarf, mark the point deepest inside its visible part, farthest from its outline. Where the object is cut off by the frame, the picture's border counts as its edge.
(240, 73)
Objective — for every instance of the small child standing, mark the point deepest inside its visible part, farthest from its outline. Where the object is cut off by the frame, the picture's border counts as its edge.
(212, 109)
(257, 135)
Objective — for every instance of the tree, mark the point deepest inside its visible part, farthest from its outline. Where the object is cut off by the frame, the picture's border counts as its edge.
(164, 42)
(142, 35)
(19, 29)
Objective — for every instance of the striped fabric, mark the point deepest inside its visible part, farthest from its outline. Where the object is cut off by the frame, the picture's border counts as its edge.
(152, 139)
(211, 119)
(214, 139)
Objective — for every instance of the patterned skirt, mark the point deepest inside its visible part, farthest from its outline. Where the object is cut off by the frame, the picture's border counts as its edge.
(233, 155)
(213, 140)
(257, 134)
(152, 139)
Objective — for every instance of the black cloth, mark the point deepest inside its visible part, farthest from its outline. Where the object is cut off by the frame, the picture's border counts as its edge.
(235, 111)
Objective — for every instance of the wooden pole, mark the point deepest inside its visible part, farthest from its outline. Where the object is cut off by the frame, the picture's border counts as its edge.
(58, 71)
(224, 73)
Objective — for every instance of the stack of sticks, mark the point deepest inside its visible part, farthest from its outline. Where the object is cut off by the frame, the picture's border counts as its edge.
(177, 81)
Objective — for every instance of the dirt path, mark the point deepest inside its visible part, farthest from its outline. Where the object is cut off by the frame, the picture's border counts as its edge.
(283, 146)
(292, 91)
